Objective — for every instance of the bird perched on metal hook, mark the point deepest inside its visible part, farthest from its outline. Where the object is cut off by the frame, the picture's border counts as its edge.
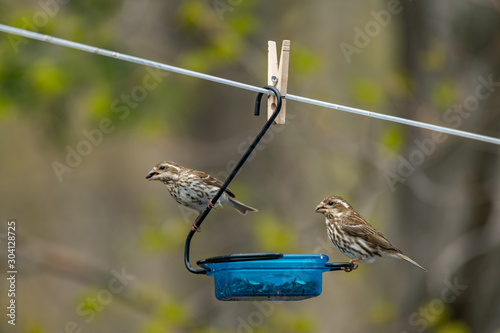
(194, 189)
(354, 236)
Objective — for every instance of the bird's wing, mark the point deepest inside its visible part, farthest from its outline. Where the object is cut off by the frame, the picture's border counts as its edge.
(211, 181)
(359, 227)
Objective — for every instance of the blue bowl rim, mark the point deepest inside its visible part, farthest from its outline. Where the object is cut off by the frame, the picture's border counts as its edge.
(241, 257)
(230, 262)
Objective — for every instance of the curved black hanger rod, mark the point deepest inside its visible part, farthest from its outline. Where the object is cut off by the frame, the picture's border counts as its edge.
(233, 173)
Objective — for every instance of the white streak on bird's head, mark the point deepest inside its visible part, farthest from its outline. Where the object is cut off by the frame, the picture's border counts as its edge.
(165, 172)
(334, 205)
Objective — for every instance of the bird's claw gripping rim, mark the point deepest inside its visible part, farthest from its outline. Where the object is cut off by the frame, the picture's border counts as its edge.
(354, 265)
(210, 204)
(350, 269)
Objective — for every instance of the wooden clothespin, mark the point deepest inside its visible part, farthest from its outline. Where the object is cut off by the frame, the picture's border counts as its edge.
(278, 76)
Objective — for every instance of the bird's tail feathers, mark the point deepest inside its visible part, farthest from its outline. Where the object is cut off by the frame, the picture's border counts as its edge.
(240, 207)
(411, 261)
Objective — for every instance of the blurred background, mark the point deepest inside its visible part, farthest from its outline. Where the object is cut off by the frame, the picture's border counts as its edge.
(99, 248)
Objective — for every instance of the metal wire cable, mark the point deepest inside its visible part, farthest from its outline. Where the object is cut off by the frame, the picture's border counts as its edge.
(154, 64)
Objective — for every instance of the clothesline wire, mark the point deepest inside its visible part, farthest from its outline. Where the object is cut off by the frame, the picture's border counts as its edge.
(154, 64)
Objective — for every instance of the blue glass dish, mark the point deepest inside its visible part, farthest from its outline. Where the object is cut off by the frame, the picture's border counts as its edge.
(268, 276)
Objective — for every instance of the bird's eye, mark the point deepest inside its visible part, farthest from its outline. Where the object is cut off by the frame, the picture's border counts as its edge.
(162, 167)
(330, 203)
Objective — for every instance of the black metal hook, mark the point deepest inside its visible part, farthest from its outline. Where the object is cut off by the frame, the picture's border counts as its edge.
(237, 168)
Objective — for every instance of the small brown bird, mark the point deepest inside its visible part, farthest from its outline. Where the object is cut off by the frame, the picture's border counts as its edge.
(194, 189)
(354, 236)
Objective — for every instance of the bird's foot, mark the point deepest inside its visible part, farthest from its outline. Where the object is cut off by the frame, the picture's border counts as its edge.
(194, 227)
(352, 261)
(210, 204)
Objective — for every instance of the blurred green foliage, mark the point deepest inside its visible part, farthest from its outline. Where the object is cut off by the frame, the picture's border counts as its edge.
(304, 61)
(34, 328)
(41, 80)
(166, 236)
(273, 234)
(454, 327)
(367, 92)
(219, 43)
(432, 59)
(444, 94)
(169, 316)
(156, 232)
(290, 321)
(393, 137)
(382, 313)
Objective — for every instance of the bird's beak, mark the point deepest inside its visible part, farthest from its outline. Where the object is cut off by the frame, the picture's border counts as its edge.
(320, 209)
(152, 175)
